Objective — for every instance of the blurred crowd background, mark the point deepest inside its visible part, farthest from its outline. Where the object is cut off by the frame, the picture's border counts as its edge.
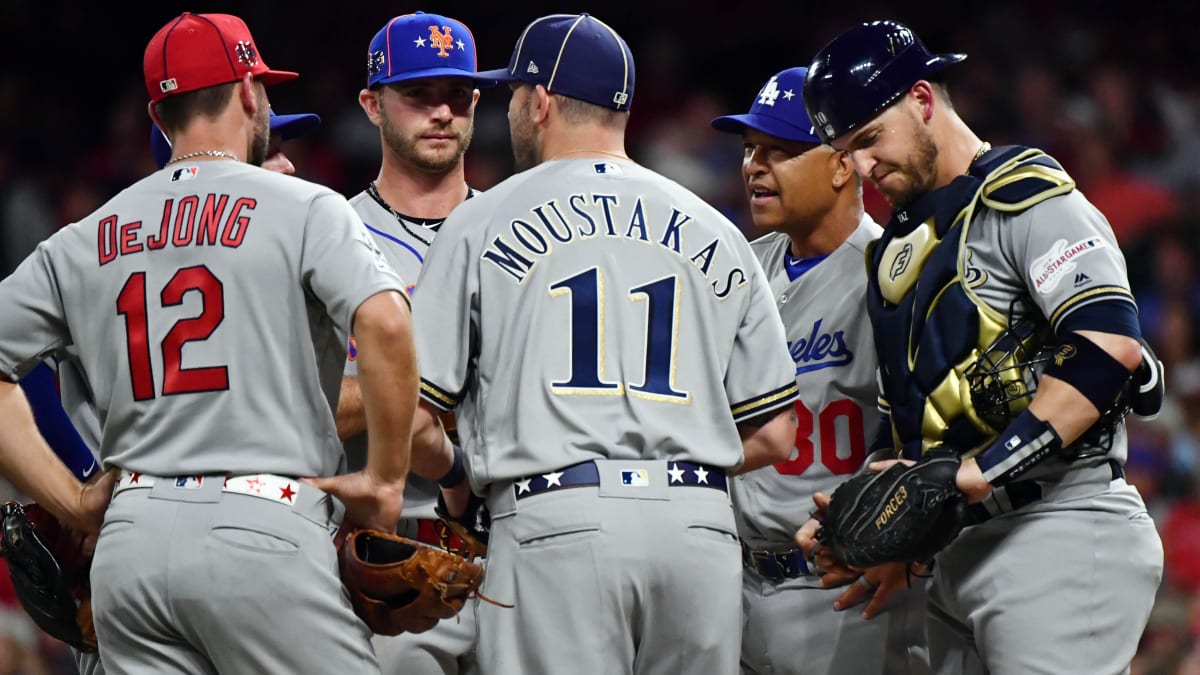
(1109, 89)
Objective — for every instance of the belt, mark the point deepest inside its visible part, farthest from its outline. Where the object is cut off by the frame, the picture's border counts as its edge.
(584, 474)
(1019, 494)
(280, 489)
(775, 566)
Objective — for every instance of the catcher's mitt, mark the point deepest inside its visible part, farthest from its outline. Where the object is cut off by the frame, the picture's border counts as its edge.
(474, 527)
(49, 563)
(399, 585)
(902, 514)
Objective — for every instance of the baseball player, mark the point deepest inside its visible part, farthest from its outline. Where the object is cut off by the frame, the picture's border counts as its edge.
(421, 93)
(612, 349)
(57, 389)
(206, 433)
(806, 201)
(994, 279)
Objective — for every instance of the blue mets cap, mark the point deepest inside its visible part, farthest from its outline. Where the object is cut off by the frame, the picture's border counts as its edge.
(418, 45)
(287, 126)
(575, 55)
(778, 110)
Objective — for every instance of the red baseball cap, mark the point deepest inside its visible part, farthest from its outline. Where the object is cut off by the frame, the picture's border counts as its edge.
(195, 51)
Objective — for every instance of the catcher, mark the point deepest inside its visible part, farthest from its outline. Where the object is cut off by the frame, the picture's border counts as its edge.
(1006, 336)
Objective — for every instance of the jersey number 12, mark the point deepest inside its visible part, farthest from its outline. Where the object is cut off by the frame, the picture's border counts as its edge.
(131, 304)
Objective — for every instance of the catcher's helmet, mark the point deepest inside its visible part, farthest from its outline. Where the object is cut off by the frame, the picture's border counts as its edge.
(862, 71)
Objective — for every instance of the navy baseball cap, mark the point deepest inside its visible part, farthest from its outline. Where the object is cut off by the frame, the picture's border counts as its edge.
(417, 45)
(287, 126)
(778, 110)
(575, 55)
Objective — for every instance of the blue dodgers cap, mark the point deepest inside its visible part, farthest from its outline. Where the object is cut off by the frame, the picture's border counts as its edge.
(778, 110)
(287, 126)
(417, 45)
(575, 55)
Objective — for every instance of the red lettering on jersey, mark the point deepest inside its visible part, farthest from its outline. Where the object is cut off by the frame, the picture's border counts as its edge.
(236, 223)
(210, 220)
(185, 220)
(106, 239)
(129, 242)
(160, 240)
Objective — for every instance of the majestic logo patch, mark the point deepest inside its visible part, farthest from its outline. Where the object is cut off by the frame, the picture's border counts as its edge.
(441, 41)
(1082, 279)
(1049, 270)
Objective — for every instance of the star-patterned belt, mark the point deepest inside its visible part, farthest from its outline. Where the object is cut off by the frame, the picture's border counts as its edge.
(263, 485)
(584, 474)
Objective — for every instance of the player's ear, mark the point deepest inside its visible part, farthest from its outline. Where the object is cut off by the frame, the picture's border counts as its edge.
(154, 115)
(246, 95)
(923, 95)
(843, 168)
(542, 100)
(369, 101)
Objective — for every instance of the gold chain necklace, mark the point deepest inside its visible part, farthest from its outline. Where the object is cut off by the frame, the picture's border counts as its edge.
(982, 151)
(580, 152)
(203, 153)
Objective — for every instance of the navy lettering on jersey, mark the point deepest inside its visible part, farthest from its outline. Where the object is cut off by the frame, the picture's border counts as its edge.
(517, 250)
(820, 350)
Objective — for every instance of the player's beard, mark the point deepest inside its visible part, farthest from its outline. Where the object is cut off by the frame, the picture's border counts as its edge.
(918, 175)
(524, 144)
(409, 147)
(262, 131)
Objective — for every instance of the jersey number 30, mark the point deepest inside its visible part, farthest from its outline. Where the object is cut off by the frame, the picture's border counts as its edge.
(131, 303)
(826, 422)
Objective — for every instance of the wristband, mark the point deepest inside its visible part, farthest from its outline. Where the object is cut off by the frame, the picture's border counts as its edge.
(457, 473)
(1027, 441)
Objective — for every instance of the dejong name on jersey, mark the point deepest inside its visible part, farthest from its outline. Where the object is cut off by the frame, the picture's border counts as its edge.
(517, 251)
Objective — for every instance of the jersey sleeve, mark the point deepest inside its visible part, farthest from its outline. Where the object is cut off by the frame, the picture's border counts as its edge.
(761, 376)
(1067, 253)
(445, 306)
(33, 323)
(341, 264)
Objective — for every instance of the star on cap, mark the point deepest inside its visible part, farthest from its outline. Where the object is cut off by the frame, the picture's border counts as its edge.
(701, 475)
(553, 478)
(676, 473)
(461, 47)
(788, 94)
(420, 42)
(523, 486)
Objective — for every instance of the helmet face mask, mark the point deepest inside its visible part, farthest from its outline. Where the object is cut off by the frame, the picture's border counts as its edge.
(863, 71)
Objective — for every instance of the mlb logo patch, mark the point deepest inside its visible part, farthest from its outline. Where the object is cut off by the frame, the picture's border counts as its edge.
(607, 169)
(186, 173)
(189, 482)
(635, 478)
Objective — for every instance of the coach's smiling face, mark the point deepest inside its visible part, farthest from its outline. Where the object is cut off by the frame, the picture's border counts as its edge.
(790, 184)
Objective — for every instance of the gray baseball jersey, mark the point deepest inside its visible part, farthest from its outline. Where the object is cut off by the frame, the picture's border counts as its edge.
(211, 322)
(624, 320)
(404, 241)
(829, 336)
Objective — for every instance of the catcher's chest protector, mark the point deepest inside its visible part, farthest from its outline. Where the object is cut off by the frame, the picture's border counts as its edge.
(931, 330)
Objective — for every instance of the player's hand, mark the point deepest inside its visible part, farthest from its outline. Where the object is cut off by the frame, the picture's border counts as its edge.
(877, 583)
(971, 481)
(94, 497)
(370, 502)
(876, 467)
(832, 572)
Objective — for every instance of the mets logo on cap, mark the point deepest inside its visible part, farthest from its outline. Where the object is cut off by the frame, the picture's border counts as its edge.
(420, 45)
